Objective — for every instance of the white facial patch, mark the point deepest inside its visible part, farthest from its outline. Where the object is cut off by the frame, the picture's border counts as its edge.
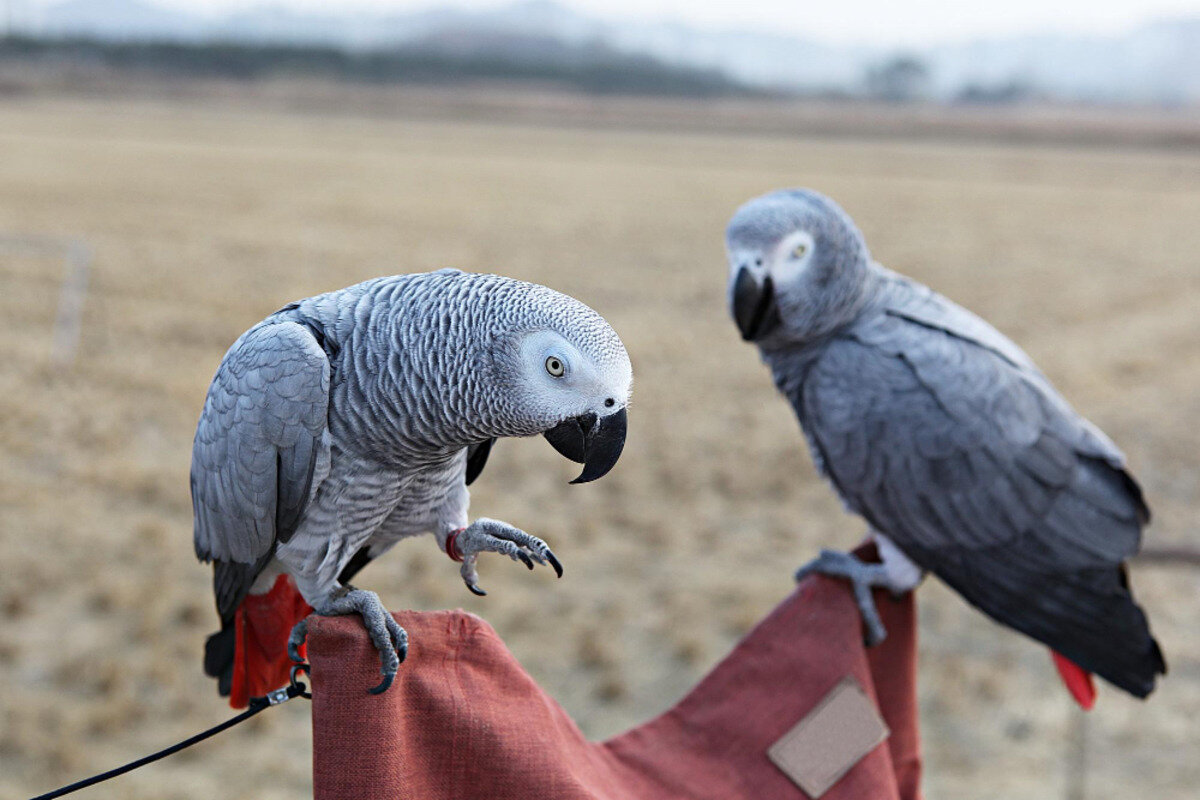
(583, 386)
(540, 349)
(791, 257)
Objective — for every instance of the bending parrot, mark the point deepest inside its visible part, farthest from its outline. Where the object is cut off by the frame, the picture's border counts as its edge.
(942, 433)
(346, 422)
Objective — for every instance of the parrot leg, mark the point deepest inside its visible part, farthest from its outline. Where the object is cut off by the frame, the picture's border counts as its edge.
(863, 577)
(492, 536)
(386, 634)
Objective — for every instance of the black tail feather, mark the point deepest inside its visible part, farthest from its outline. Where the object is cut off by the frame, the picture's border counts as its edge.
(218, 657)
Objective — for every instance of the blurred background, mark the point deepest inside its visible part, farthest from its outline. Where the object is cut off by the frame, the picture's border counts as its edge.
(171, 171)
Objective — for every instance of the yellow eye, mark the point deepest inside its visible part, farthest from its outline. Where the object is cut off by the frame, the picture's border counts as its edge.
(555, 366)
(800, 250)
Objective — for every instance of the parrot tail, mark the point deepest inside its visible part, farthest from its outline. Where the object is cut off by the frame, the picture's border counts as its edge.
(248, 656)
(1078, 681)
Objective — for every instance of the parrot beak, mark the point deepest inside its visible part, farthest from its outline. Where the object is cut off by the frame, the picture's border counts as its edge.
(754, 308)
(595, 442)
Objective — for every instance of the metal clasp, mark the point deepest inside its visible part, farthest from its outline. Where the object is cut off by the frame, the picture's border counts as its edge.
(277, 696)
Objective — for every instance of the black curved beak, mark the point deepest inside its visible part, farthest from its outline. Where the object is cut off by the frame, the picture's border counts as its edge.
(754, 308)
(595, 442)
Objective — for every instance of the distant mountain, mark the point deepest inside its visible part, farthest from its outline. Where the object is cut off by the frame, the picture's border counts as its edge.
(1156, 63)
(116, 19)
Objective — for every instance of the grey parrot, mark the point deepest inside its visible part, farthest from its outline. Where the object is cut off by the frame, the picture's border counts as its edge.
(348, 421)
(945, 437)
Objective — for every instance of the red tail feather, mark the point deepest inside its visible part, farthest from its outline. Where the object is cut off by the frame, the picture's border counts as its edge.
(1078, 681)
(260, 659)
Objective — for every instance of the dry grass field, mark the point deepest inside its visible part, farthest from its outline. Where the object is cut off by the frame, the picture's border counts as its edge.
(205, 217)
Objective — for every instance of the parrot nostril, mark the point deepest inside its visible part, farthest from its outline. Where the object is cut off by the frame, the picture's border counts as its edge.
(758, 262)
(609, 403)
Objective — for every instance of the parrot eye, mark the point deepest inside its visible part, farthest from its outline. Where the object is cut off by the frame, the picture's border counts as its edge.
(555, 366)
(800, 250)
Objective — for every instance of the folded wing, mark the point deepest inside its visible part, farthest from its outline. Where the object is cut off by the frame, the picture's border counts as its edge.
(945, 437)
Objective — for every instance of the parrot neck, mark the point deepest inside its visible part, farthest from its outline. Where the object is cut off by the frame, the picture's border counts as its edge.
(808, 337)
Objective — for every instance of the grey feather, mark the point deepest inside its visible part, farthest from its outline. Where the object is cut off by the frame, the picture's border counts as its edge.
(343, 423)
(256, 450)
(944, 435)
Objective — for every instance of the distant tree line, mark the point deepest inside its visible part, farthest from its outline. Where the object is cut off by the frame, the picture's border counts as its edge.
(905, 78)
(592, 68)
(476, 56)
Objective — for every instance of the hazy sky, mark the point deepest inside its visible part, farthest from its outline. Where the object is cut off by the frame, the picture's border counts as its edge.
(887, 22)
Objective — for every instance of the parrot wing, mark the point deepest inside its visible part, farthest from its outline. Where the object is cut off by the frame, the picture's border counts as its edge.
(477, 456)
(256, 451)
(944, 436)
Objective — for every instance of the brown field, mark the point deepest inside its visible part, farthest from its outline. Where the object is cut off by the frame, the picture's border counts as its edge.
(204, 217)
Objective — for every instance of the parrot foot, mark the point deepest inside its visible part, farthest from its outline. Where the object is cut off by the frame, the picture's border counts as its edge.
(492, 536)
(386, 634)
(863, 577)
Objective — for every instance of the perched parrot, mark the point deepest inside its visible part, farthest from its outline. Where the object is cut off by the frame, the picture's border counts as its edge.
(946, 438)
(346, 422)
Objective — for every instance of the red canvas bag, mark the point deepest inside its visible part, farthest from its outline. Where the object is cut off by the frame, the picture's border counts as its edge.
(464, 720)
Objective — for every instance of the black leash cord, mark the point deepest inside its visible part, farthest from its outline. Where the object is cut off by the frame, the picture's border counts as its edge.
(296, 688)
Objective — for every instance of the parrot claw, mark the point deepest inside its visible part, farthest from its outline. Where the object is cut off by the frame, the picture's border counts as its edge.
(384, 684)
(471, 577)
(296, 639)
(863, 577)
(389, 638)
(491, 536)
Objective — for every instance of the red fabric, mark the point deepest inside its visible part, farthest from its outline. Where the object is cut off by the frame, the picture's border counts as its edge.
(1078, 681)
(463, 720)
(260, 659)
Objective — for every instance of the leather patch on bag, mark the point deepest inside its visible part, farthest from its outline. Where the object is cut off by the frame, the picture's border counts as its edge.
(830, 739)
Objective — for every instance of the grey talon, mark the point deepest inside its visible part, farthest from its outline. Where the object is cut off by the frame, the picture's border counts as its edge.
(475, 590)
(862, 577)
(492, 536)
(389, 639)
(399, 638)
(295, 639)
(384, 684)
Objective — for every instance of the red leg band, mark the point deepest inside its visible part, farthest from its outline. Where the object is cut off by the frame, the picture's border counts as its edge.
(451, 550)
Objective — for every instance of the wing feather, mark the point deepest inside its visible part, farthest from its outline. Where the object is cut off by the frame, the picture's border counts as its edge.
(256, 449)
(946, 438)
(477, 456)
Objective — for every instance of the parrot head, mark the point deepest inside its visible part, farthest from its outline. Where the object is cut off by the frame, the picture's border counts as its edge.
(797, 267)
(568, 377)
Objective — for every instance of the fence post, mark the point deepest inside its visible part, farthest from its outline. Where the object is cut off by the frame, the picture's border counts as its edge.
(68, 324)
(77, 260)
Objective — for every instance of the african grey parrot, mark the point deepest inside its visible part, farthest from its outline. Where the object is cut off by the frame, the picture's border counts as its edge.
(942, 433)
(346, 422)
